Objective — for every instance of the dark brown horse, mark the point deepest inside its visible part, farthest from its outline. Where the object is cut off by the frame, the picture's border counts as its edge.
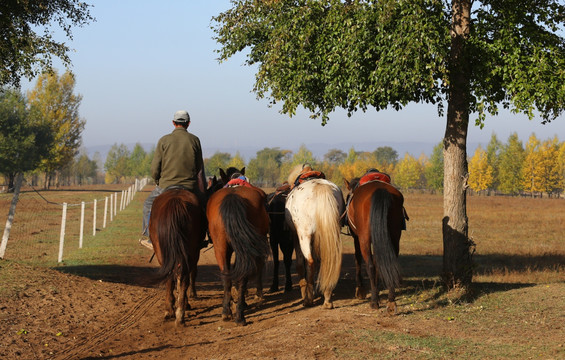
(177, 227)
(375, 215)
(280, 236)
(238, 223)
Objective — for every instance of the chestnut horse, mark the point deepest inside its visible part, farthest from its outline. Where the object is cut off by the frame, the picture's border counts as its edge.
(313, 211)
(177, 227)
(238, 223)
(375, 215)
(279, 236)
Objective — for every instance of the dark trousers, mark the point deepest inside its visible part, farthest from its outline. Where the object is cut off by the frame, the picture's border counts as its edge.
(149, 203)
(147, 208)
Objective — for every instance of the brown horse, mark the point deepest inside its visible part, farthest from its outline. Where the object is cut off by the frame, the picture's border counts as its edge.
(280, 236)
(375, 215)
(238, 223)
(177, 226)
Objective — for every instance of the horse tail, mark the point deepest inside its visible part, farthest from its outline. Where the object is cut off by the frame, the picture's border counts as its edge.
(386, 259)
(173, 234)
(327, 242)
(250, 247)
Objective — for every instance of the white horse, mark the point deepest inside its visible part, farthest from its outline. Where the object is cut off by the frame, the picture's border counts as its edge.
(313, 211)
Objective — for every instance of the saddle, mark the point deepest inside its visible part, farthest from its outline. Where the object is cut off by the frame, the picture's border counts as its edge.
(374, 176)
(309, 175)
(283, 188)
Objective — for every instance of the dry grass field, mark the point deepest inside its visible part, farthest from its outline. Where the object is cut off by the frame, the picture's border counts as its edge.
(99, 303)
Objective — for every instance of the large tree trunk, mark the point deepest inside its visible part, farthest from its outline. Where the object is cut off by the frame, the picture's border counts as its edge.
(457, 247)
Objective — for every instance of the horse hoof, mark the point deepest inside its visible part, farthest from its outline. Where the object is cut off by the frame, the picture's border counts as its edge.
(328, 305)
(273, 290)
(288, 288)
(374, 305)
(307, 303)
(360, 293)
(168, 315)
(391, 308)
(241, 322)
(226, 317)
(179, 322)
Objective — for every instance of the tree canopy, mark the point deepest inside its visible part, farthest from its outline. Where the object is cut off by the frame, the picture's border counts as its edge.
(24, 52)
(24, 139)
(358, 54)
(54, 98)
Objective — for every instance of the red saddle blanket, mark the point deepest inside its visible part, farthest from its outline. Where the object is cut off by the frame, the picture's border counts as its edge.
(238, 182)
(313, 174)
(374, 176)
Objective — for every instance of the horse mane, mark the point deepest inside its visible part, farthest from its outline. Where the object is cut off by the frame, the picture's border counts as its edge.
(294, 173)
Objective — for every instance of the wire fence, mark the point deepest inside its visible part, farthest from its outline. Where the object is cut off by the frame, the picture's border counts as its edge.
(46, 223)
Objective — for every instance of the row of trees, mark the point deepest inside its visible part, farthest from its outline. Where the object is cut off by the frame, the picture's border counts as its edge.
(512, 168)
(509, 168)
(41, 130)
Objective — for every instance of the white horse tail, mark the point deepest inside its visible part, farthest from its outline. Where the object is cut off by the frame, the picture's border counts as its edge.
(327, 242)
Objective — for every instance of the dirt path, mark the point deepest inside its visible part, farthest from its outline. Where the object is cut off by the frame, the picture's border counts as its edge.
(115, 314)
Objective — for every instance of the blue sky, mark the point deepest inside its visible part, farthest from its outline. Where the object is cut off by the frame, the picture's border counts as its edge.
(143, 60)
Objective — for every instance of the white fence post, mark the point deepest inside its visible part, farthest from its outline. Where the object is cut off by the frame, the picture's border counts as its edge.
(11, 213)
(116, 204)
(105, 212)
(94, 220)
(81, 225)
(62, 236)
(111, 207)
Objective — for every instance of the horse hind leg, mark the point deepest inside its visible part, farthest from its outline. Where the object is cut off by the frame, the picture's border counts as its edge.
(275, 251)
(259, 278)
(182, 301)
(226, 304)
(328, 303)
(360, 290)
(391, 304)
(192, 284)
(241, 305)
(307, 286)
(288, 274)
(373, 276)
(169, 299)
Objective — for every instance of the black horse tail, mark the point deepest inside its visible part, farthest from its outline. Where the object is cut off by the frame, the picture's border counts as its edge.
(251, 248)
(385, 257)
(174, 233)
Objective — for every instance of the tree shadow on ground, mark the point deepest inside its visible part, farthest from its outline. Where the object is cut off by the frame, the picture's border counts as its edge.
(144, 276)
(422, 274)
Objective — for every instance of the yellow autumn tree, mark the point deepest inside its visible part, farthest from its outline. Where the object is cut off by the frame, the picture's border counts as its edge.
(409, 173)
(237, 161)
(480, 171)
(54, 99)
(547, 172)
(531, 169)
(561, 160)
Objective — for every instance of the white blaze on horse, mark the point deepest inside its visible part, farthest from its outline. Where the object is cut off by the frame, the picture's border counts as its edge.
(313, 211)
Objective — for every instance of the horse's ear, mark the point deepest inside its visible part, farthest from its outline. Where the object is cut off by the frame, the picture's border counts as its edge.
(242, 171)
(347, 184)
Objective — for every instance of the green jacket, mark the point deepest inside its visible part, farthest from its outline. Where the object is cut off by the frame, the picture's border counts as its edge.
(178, 161)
